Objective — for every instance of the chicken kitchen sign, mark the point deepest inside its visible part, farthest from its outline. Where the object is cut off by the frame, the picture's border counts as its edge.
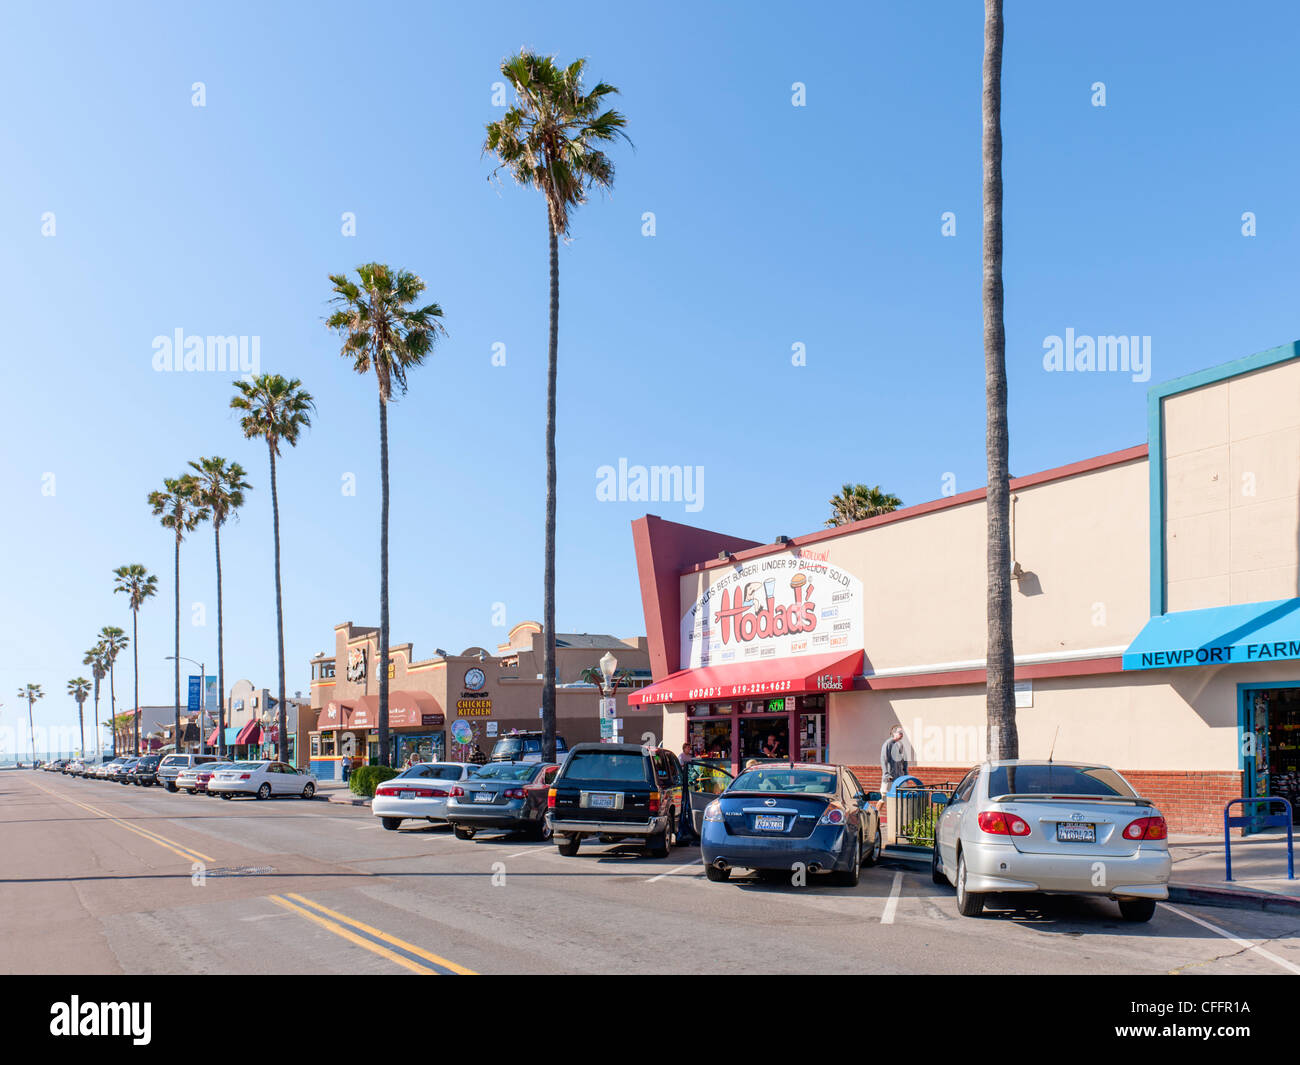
(773, 607)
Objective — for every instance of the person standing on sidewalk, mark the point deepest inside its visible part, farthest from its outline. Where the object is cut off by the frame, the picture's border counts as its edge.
(893, 758)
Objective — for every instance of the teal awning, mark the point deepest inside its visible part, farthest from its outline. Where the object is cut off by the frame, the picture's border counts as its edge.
(1246, 632)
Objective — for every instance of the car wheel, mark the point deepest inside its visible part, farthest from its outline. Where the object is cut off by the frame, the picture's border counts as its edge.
(1137, 909)
(391, 823)
(309, 791)
(718, 876)
(969, 903)
(264, 792)
(225, 795)
(544, 830)
(661, 845)
(936, 866)
(849, 877)
(568, 845)
(462, 832)
(171, 786)
(877, 845)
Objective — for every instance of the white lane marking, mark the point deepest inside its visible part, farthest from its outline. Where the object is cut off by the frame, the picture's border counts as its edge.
(530, 850)
(891, 904)
(688, 865)
(1236, 939)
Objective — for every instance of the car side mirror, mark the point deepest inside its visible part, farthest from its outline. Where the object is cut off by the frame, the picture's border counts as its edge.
(938, 798)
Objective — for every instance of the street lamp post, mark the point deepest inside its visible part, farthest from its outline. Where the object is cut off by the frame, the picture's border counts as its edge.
(203, 690)
(608, 688)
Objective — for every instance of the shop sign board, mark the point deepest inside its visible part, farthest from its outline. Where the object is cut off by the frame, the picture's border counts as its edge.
(477, 707)
(778, 606)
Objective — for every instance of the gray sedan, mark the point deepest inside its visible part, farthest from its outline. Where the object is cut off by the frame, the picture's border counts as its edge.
(1052, 827)
(503, 797)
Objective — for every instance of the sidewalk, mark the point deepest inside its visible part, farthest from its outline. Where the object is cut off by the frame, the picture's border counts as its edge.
(1259, 878)
(337, 792)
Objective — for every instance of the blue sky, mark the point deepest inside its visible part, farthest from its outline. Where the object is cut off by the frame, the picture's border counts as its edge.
(774, 225)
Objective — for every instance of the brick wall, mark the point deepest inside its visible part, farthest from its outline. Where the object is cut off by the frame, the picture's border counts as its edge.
(1192, 802)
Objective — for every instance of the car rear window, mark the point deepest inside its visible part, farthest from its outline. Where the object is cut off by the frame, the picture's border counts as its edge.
(248, 765)
(505, 771)
(433, 772)
(1056, 780)
(611, 766)
(808, 781)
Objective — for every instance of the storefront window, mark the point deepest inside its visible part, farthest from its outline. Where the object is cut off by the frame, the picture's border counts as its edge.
(427, 747)
(327, 744)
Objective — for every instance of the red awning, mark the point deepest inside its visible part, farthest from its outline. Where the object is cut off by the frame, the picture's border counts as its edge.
(775, 676)
(249, 734)
(216, 735)
(406, 709)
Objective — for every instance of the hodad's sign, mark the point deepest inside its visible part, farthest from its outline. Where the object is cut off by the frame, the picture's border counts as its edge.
(779, 606)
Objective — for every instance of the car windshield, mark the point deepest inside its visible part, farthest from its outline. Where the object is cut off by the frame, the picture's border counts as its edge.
(612, 766)
(505, 771)
(1057, 780)
(173, 759)
(769, 778)
(433, 772)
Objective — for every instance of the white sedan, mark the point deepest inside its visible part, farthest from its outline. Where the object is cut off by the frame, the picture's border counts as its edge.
(262, 779)
(419, 791)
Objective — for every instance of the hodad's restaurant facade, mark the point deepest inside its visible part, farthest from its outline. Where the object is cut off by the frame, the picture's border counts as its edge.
(1156, 614)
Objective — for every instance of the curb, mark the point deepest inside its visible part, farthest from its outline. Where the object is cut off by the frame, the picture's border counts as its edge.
(347, 801)
(1234, 898)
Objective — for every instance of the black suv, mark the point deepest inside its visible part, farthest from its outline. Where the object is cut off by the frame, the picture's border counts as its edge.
(144, 772)
(617, 791)
(524, 747)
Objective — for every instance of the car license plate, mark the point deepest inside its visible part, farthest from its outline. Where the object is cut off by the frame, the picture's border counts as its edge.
(1074, 832)
(483, 796)
(406, 795)
(769, 823)
(602, 802)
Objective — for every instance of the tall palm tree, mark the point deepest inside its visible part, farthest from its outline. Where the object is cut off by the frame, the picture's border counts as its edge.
(1003, 739)
(856, 502)
(97, 659)
(551, 140)
(276, 409)
(31, 693)
(114, 641)
(384, 332)
(178, 509)
(221, 488)
(137, 584)
(79, 688)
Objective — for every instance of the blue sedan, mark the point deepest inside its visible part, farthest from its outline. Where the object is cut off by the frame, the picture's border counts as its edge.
(787, 815)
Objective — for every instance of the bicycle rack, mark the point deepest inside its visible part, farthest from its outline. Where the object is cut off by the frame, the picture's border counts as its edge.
(1267, 820)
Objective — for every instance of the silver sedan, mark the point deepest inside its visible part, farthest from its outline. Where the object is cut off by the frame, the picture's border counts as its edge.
(1052, 827)
(419, 792)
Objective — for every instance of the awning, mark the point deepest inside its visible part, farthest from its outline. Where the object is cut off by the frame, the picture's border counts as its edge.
(216, 735)
(250, 733)
(1246, 632)
(775, 676)
(406, 709)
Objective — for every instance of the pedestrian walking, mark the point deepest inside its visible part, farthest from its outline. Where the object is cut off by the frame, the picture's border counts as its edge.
(893, 758)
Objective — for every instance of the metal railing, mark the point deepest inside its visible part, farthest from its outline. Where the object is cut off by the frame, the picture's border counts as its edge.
(916, 812)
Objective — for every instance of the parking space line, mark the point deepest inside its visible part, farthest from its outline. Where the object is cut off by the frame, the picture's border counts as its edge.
(1235, 939)
(891, 904)
(688, 865)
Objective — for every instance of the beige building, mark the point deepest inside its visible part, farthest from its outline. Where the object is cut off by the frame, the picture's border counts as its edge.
(1156, 614)
(446, 705)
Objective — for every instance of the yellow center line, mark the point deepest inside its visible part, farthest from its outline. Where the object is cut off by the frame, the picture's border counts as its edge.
(188, 853)
(384, 936)
(352, 937)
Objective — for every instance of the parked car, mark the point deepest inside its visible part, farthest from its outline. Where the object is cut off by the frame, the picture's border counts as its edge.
(418, 792)
(503, 796)
(617, 791)
(145, 772)
(779, 814)
(1048, 827)
(74, 768)
(101, 771)
(117, 773)
(195, 778)
(171, 765)
(263, 779)
(524, 747)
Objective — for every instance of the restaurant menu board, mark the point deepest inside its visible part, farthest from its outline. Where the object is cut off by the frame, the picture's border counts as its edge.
(773, 607)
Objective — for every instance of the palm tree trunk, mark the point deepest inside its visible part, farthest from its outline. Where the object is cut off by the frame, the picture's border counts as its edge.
(221, 661)
(96, 717)
(112, 707)
(176, 714)
(1003, 740)
(382, 665)
(135, 659)
(548, 580)
(279, 602)
(31, 729)
(81, 724)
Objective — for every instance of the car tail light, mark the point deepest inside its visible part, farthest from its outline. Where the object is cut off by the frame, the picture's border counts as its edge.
(514, 793)
(654, 802)
(550, 799)
(999, 823)
(1147, 828)
(834, 815)
(244, 776)
(457, 792)
(433, 793)
(713, 812)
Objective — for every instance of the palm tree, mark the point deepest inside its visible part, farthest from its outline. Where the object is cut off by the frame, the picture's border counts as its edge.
(137, 584)
(114, 642)
(79, 688)
(857, 502)
(31, 693)
(1003, 739)
(276, 409)
(383, 331)
(178, 508)
(551, 140)
(97, 659)
(221, 488)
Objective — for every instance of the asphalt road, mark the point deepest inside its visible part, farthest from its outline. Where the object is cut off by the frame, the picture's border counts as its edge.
(101, 878)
